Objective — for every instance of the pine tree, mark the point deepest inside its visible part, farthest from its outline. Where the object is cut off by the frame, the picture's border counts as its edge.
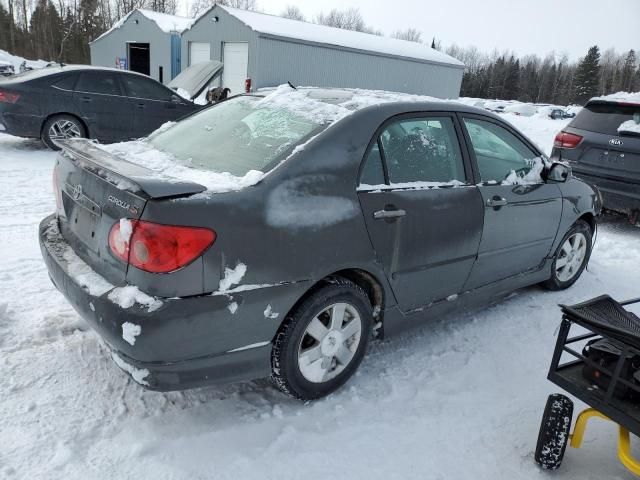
(628, 72)
(587, 76)
(6, 26)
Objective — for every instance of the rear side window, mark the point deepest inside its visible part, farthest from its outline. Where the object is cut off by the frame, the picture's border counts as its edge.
(143, 88)
(98, 82)
(604, 118)
(422, 150)
(66, 83)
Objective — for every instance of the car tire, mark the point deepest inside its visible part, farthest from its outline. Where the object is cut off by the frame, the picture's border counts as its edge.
(554, 432)
(322, 341)
(571, 257)
(67, 126)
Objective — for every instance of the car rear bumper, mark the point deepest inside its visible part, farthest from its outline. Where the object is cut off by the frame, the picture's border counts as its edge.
(20, 125)
(182, 342)
(617, 195)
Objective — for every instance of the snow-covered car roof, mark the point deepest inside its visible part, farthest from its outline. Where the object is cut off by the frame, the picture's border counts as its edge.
(620, 97)
(6, 64)
(312, 32)
(165, 22)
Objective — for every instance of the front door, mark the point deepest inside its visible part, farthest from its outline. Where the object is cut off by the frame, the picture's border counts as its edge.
(521, 211)
(153, 104)
(423, 214)
(102, 105)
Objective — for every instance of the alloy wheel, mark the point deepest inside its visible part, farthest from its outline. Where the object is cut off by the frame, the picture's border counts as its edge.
(571, 257)
(329, 342)
(63, 130)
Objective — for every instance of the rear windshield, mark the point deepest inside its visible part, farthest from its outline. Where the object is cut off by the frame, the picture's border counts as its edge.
(604, 118)
(236, 136)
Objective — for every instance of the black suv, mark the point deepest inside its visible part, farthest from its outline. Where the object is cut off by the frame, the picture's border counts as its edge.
(602, 144)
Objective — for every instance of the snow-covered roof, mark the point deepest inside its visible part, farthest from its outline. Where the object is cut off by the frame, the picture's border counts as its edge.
(312, 32)
(165, 22)
(620, 97)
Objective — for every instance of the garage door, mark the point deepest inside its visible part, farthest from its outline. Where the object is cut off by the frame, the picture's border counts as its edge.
(199, 52)
(235, 56)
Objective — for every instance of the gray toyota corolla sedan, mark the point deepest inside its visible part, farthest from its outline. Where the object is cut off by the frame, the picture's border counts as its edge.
(276, 235)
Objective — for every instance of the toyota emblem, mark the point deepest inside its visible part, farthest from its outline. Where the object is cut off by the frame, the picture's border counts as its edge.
(76, 193)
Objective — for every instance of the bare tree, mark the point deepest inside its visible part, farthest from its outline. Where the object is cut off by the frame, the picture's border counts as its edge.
(410, 34)
(293, 12)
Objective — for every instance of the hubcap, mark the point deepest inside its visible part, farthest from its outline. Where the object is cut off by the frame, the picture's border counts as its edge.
(64, 129)
(571, 257)
(329, 343)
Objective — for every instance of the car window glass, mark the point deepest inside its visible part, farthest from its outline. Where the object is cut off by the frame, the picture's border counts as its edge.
(66, 83)
(372, 173)
(498, 152)
(98, 82)
(423, 150)
(140, 87)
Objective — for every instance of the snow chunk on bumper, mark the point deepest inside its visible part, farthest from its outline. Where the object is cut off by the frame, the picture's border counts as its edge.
(128, 296)
(138, 374)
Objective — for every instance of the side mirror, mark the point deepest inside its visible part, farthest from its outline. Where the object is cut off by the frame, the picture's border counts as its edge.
(559, 173)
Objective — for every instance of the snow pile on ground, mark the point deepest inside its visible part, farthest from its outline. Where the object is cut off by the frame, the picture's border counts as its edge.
(627, 97)
(17, 61)
(525, 109)
(458, 398)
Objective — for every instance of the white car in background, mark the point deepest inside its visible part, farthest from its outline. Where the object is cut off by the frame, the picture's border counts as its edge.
(6, 69)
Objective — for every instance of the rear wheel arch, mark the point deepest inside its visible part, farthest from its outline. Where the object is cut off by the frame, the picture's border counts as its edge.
(368, 282)
(57, 114)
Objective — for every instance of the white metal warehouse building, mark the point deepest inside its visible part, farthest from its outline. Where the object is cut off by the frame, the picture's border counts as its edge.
(267, 50)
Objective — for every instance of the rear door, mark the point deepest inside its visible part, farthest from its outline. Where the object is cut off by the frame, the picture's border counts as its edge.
(422, 211)
(520, 220)
(153, 104)
(102, 105)
(235, 56)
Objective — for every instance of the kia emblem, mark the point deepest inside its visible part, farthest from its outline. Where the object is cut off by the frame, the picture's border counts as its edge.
(615, 141)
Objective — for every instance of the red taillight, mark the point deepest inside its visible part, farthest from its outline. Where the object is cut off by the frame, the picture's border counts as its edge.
(157, 248)
(7, 97)
(567, 140)
(247, 85)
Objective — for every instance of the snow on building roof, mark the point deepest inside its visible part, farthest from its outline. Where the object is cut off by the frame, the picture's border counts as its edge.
(620, 97)
(312, 32)
(165, 22)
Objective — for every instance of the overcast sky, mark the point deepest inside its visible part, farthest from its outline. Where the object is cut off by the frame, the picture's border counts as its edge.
(524, 26)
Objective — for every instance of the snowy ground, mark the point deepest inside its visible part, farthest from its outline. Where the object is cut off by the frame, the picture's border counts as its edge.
(459, 398)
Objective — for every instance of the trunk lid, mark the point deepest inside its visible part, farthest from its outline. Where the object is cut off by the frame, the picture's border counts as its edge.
(95, 190)
(195, 79)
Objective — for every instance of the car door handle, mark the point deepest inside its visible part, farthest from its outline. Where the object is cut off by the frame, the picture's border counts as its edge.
(384, 214)
(497, 202)
(86, 99)
(141, 106)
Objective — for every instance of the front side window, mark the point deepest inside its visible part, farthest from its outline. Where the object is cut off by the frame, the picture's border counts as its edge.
(422, 150)
(98, 82)
(140, 87)
(499, 153)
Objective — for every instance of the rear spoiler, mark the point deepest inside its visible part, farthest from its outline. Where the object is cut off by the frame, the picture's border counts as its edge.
(124, 174)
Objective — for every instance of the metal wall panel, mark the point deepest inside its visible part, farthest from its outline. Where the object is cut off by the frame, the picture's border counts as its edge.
(312, 65)
(106, 51)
